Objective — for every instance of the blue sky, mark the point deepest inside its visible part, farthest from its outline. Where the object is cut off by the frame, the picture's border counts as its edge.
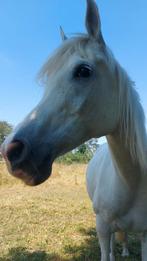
(29, 32)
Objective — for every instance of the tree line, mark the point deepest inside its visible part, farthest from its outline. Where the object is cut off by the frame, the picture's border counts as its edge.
(5, 129)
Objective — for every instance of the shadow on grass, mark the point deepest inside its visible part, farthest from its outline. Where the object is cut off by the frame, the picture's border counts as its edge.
(22, 254)
(87, 251)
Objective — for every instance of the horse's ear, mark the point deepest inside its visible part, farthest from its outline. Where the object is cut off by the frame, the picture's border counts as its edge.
(63, 36)
(93, 23)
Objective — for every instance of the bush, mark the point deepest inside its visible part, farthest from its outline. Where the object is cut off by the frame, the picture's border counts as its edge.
(80, 155)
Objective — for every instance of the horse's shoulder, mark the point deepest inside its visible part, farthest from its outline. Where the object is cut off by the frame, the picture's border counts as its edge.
(103, 184)
(100, 163)
(99, 171)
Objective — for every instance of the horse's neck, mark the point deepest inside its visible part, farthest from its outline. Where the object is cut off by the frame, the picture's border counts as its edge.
(125, 167)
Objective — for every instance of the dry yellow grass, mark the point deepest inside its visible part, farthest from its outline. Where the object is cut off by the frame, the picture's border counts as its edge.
(5, 177)
(53, 221)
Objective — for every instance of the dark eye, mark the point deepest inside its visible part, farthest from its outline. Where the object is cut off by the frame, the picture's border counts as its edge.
(83, 71)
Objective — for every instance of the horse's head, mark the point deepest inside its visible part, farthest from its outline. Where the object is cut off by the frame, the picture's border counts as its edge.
(79, 103)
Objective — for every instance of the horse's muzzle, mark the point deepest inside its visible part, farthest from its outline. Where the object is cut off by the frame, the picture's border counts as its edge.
(16, 152)
(22, 164)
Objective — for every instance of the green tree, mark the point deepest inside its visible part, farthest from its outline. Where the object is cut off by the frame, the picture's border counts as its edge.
(81, 154)
(82, 148)
(5, 129)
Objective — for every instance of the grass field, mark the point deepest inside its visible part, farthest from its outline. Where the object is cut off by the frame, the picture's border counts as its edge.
(53, 221)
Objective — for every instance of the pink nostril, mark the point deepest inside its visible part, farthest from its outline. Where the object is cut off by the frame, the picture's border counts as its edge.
(15, 151)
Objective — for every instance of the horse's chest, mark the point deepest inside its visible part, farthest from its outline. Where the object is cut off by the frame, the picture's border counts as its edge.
(111, 203)
(136, 217)
(124, 209)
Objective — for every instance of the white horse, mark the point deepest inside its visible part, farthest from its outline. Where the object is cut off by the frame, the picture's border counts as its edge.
(88, 94)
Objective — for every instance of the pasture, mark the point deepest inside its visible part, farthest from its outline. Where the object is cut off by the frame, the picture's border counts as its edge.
(53, 221)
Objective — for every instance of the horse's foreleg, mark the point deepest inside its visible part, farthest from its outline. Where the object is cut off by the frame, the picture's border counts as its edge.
(104, 235)
(104, 241)
(144, 246)
(112, 246)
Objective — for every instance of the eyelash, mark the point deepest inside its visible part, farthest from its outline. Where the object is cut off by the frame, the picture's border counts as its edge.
(83, 71)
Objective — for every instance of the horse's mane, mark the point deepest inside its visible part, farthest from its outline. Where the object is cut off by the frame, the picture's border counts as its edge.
(131, 115)
(132, 118)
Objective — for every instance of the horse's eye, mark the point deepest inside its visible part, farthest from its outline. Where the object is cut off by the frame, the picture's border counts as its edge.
(83, 71)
